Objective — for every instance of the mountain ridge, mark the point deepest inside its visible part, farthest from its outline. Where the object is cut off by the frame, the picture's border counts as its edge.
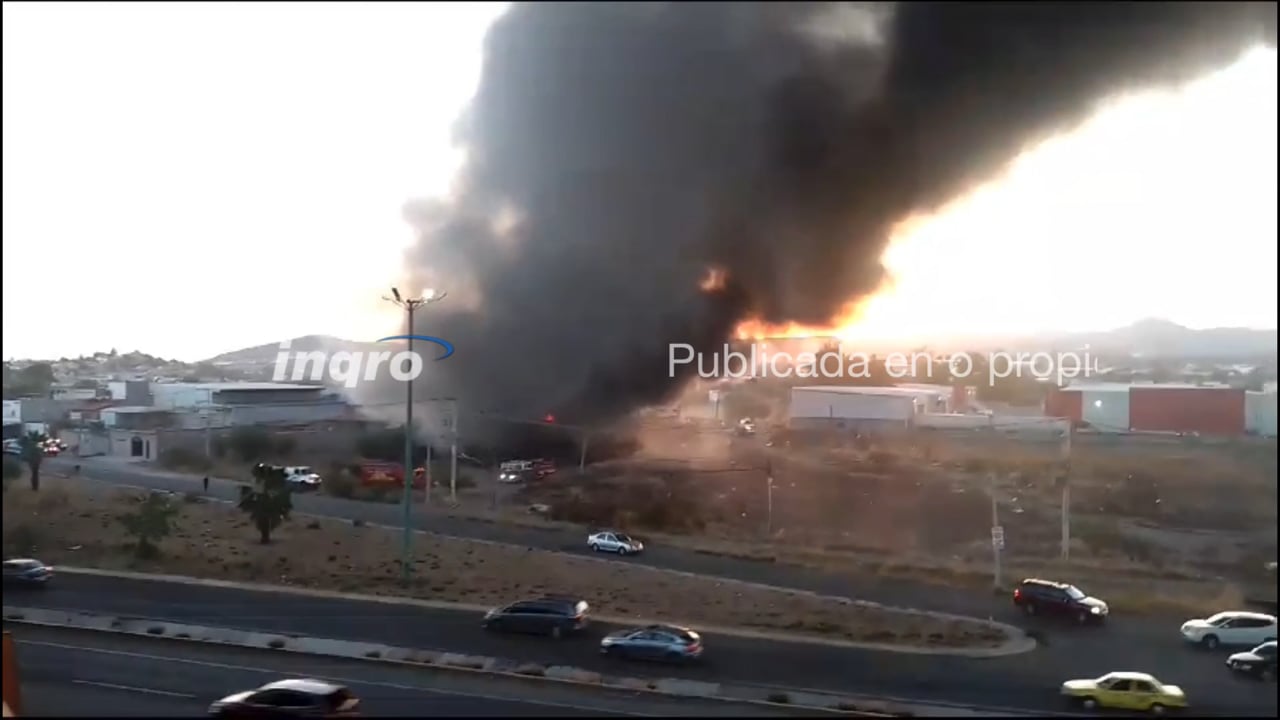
(1147, 337)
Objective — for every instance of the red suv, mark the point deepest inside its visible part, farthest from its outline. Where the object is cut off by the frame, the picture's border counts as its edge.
(1045, 597)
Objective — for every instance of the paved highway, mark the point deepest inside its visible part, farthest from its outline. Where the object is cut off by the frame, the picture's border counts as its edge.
(67, 673)
(1027, 681)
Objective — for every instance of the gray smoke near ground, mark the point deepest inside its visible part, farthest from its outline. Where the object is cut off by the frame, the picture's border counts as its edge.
(616, 151)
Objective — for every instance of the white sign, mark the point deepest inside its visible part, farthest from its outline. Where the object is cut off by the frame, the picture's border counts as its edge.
(997, 537)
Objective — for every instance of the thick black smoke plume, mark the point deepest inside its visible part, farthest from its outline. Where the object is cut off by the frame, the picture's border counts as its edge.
(616, 151)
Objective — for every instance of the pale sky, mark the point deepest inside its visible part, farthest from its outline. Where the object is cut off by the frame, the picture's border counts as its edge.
(188, 179)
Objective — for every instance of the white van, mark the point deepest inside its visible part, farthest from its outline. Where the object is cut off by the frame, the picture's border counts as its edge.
(302, 477)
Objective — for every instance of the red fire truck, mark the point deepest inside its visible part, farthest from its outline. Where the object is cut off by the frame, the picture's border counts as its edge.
(389, 475)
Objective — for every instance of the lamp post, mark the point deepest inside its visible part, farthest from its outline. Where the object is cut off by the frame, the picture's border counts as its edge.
(409, 305)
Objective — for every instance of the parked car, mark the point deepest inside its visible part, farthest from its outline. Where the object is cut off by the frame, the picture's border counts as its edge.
(26, 572)
(614, 542)
(289, 698)
(554, 616)
(1259, 662)
(1125, 691)
(666, 643)
(1237, 627)
(1046, 597)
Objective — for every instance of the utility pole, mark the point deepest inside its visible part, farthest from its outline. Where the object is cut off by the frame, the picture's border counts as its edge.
(768, 480)
(582, 458)
(409, 305)
(497, 471)
(997, 532)
(1065, 479)
(426, 499)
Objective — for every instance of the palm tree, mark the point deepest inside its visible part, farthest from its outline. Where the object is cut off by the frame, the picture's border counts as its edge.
(32, 448)
(268, 501)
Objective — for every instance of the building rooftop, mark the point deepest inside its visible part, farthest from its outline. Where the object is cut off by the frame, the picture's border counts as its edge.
(239, 386)
(869, 390)
(1126, 387)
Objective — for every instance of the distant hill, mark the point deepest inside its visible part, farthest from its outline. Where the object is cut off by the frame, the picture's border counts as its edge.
(266, 354)
(1151, 337)
(1154, 337)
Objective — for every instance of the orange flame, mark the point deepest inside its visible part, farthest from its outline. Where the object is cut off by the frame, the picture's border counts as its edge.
(755, 329)
(714, 279)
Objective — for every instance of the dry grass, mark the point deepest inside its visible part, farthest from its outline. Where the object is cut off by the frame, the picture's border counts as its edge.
(76, 524)
(1129, 585)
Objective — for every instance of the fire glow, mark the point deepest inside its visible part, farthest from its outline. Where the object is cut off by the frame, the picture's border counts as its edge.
(714, 280)
(840, 327)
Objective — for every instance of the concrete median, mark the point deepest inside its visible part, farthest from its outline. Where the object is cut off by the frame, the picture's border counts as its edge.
(455, 662)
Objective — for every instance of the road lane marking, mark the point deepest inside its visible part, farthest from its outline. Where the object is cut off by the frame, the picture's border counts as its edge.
(345, 681)
(131, 688)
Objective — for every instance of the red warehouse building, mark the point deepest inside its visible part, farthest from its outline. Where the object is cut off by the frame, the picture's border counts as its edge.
(1065, 404)
(1206, 410)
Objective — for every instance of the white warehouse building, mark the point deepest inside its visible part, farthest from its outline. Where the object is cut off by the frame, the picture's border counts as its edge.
(1260, 413)
(1105, 406)
(857, 408)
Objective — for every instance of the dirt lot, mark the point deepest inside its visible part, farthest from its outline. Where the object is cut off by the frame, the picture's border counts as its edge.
(1178, 524)
(1174, 526)
(75, 525)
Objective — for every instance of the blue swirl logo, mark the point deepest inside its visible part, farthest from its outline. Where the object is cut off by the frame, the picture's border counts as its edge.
(448, 346)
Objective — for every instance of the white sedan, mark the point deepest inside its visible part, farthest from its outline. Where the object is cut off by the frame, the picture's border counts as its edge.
(614, 542)
(1231, 628)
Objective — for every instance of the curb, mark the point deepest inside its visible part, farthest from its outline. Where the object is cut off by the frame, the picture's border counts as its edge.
(453, 662)
(1021, 644)
(1018, 641)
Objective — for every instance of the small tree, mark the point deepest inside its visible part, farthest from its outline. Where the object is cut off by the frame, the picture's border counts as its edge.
(150, 523)
(268, 501)
(32, 448)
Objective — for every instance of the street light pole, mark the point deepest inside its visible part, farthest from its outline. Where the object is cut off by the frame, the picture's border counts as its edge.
(453, 451)
(409, 305)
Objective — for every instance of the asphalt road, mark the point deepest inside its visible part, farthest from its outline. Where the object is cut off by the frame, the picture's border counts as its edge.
(67, 673)
(1026, 682)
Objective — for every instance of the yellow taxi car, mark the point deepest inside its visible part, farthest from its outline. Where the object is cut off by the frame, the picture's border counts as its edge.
(1125, 691)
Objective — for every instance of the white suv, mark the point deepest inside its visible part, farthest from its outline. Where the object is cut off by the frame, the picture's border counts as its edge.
(1231, 628)
(614, 542)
